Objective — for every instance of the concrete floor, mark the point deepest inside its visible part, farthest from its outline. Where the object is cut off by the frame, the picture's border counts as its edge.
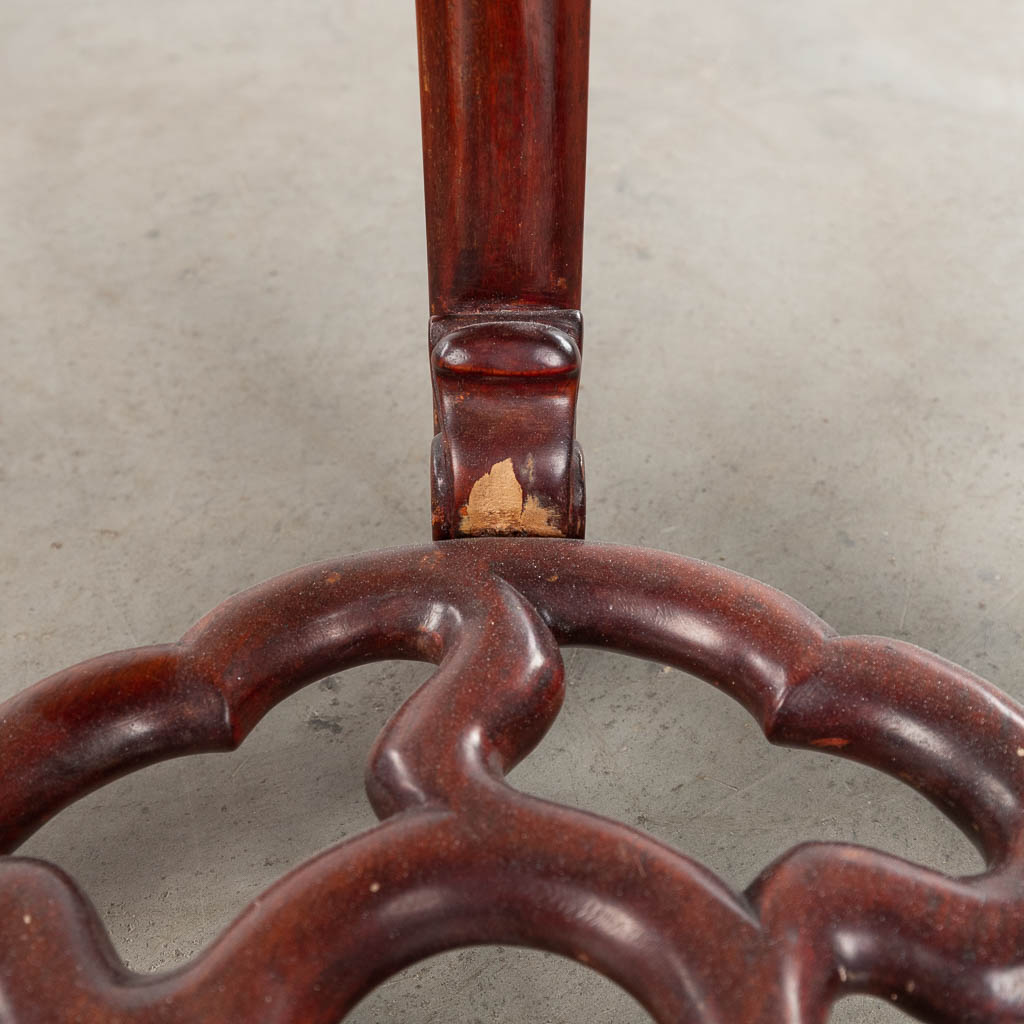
(803, 291)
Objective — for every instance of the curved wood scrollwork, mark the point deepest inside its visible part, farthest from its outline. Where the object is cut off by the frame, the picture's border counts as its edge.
(462, 858)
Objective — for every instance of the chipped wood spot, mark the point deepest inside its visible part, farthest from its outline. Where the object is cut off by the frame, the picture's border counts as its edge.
(830, 741)
(497, 505)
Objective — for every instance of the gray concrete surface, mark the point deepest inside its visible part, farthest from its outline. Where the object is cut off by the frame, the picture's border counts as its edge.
(803, 289)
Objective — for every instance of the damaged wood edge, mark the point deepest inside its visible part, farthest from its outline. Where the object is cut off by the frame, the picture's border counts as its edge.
(498, 505)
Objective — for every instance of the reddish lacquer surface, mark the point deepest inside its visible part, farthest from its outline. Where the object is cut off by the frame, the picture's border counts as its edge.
(503, 95)
(462, 858)
(503, 91)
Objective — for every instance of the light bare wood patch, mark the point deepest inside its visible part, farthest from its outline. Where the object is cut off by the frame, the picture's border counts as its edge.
(496, 505)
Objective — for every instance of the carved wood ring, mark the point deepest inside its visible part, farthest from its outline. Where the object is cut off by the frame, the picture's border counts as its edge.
(462, 858)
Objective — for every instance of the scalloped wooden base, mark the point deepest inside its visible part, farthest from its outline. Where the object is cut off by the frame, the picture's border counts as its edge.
(462, 858)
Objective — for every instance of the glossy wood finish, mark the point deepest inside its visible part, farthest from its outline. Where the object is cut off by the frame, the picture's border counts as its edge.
(503, 91)
(462, 858)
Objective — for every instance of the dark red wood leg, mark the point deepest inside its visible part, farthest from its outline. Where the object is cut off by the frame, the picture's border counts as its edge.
(503, 90)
